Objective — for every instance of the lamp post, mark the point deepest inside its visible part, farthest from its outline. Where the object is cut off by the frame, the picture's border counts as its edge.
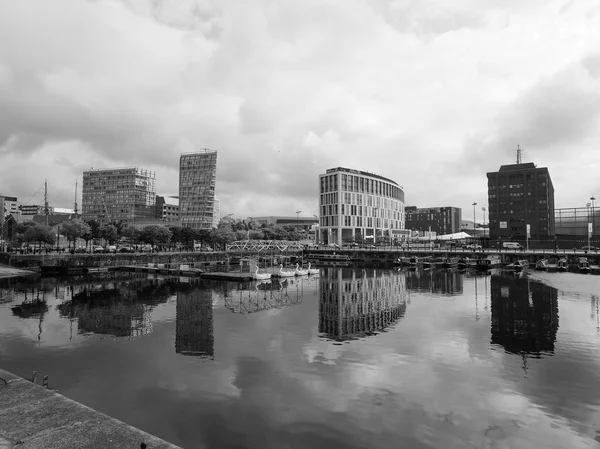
(474, 204)
(593, 200)
(589, 229)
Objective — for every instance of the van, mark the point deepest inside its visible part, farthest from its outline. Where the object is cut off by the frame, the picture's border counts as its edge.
(512, 245)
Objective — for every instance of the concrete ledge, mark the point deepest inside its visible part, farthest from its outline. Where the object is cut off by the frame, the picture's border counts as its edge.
(33, 417)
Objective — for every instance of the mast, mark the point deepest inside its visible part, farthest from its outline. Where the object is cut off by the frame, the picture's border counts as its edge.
(46, 211)
(519, 151)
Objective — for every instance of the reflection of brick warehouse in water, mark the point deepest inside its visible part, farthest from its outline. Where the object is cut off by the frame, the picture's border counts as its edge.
(357, 304)
(194, 323)
(524, 315)
(435, 281)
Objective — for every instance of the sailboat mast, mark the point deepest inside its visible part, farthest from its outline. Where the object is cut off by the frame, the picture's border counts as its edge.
(46, 211)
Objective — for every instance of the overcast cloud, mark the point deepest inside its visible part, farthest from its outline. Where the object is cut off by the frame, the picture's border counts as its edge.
(430, 93)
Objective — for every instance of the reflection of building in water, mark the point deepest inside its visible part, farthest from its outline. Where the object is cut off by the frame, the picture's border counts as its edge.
(524, 315)
(194, 322)
(108, 312)
(120, 319)
(442, 282)
(357, 303)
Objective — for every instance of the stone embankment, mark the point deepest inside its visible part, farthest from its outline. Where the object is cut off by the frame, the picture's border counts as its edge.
(33, 417)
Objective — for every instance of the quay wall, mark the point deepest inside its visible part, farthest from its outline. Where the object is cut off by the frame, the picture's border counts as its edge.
(111, 260)
(32, 416)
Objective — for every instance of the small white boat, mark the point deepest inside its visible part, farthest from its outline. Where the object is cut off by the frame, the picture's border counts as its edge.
(299, 271)
(312, 270)
(261, 276)
(285, 273)
(542, 265)
(562, 265)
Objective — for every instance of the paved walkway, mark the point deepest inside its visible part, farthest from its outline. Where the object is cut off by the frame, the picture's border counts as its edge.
(32, 417)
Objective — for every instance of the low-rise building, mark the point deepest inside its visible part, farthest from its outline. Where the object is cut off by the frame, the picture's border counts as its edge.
(440, 220)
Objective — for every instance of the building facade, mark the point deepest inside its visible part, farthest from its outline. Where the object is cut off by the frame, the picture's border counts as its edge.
(120, 194)
(197, 179)
(9, 205)
(577, 221)
(167, 209)
(441, 220)
(520, 195)
(359, 206)
(31, 209)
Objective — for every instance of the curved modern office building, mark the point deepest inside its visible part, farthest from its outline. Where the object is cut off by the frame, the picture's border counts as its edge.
(357, 206)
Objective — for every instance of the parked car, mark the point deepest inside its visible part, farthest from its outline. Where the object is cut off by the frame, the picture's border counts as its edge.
(79, 249)
(145, 248)
(126, 249)
(110, 249)
(473, 247)
(97, 249)
(589, 248)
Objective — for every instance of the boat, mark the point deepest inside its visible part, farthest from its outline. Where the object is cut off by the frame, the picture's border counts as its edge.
(519, 264)
(583, 265)
(261, 276)
(488, 262)
(312, 270)
(285, 273)
(562, 265)
(542, 265)
(299, 271)
(449, 262)
(417, 261)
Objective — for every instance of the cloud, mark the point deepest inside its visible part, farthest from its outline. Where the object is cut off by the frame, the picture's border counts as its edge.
(285, 90)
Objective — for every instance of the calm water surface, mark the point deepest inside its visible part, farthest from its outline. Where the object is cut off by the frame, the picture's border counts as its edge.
(354, 358)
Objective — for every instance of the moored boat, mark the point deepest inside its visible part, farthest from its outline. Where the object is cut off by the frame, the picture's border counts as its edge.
(488, 262)
(519, 264)
(449, 262)
(562, 264)
(583, 265)
(542, 265)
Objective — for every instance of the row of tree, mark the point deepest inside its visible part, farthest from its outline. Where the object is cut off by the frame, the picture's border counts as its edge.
(156, 235)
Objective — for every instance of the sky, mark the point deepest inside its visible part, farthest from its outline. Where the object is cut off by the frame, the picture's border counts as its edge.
(428, 93)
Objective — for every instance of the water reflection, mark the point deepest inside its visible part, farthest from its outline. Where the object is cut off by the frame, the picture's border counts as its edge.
(524, 315)
(194, 322)
(442, 282)
(358, 303)
(252, 297)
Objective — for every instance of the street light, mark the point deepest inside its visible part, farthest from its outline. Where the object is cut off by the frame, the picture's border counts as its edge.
(474, 204)
(593, 200)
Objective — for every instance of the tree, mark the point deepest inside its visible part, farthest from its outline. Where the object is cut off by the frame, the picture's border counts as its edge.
(75, 229)
(132, 233)
(39, 233)
(109, 233)
(155, 235)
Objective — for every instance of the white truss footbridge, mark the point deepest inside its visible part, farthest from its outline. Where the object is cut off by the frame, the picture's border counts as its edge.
(265, 246)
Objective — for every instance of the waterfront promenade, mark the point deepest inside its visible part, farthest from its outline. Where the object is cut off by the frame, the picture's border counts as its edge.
(33, 417)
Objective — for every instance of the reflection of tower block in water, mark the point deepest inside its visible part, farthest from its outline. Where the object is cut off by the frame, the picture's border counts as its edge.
(194, 323)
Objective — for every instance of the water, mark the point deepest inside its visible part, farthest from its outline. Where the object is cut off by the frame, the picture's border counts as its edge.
(353, 358)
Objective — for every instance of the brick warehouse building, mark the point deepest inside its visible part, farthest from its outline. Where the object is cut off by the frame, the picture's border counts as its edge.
(519, 195)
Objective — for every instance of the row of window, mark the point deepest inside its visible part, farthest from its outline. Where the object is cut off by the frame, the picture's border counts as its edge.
(361, 184)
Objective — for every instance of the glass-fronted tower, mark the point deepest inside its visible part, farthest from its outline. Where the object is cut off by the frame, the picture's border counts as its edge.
(119, 194)
(197, 178)
(357, 206)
